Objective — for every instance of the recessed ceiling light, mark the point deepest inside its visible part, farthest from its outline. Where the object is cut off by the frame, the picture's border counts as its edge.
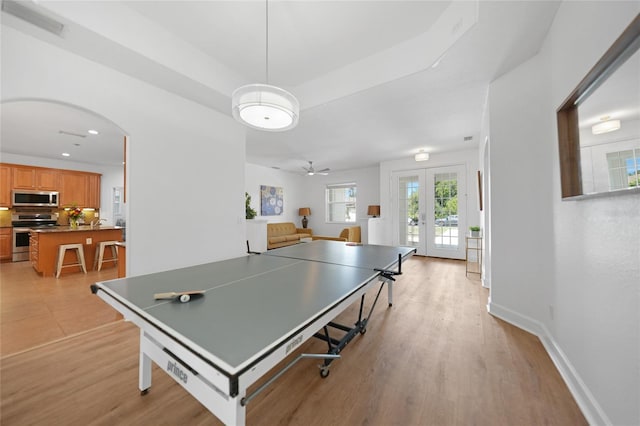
(66, 154)
(93, 132)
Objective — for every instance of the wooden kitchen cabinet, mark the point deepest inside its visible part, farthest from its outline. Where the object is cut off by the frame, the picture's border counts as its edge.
(24, 178)
(5, 185)
(6, 244)
(34, 250)
(35, 178)
(79, 188)
(47, 179)
(73, 189)
(93, 191)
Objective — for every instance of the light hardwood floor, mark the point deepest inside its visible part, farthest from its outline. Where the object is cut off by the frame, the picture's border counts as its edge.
(37, 310)
(435, 358)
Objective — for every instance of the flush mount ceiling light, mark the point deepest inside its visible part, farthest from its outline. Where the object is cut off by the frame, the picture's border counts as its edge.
(605, 126)
(422, 156)
(263, 106)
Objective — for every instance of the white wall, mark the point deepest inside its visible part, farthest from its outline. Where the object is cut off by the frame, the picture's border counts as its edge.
(366, 180)
(309, 191)
(568, 271)
(468, 158)
(111, 176)
(185, 166)
(292, 184)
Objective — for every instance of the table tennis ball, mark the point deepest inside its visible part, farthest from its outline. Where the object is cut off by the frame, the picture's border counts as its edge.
(185, 298)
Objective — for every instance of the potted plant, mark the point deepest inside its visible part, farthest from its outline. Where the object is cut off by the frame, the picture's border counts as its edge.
(475, 231)
(249, 212)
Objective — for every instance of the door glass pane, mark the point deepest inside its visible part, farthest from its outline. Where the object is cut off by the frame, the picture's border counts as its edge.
(408, 210)
(445, 218)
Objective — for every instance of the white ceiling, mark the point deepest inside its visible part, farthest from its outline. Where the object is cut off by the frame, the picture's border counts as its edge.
(363, 70)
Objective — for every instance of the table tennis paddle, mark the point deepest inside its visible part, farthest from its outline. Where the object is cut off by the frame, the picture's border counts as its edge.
(183, 296)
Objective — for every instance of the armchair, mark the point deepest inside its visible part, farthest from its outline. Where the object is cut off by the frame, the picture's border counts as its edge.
(350, 234)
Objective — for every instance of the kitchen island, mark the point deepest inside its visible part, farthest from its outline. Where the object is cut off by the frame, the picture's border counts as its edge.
(44, 245)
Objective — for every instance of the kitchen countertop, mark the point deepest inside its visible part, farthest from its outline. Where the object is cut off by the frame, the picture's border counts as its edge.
(79, 228)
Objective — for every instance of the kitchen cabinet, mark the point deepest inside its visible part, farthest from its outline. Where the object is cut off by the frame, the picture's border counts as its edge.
(75, 187)
(24, 178)
(36, 178)
(34, 250)
(47, 179)
(6, 244)
(93, 191)
(122, 259)
(79, 188)
(5, 185)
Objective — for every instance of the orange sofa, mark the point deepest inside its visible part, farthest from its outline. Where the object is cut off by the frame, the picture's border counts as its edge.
(285, 234)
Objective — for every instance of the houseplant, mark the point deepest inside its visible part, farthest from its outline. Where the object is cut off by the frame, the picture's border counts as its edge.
(475, 231)
(249, 212)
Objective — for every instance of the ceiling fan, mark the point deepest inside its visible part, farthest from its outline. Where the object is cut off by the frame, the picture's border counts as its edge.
(311, 171)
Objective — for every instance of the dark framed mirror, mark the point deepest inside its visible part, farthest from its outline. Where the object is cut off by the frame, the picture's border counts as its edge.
(599, 124)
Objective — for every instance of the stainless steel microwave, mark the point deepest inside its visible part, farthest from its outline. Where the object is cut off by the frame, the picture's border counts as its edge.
(23, 197)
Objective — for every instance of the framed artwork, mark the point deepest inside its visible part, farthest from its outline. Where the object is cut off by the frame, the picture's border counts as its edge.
(271, 200)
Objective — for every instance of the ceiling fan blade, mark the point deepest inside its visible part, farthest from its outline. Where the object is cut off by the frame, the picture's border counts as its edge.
(323, 170)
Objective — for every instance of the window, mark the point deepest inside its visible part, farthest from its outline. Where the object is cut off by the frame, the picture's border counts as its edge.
(624, 168)
(341, 203)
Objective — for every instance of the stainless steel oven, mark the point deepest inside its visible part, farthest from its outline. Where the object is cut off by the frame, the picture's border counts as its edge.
(20, 244)
(23, 221)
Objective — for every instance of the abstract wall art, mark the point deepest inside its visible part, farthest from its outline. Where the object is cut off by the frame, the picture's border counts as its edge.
(271, 200)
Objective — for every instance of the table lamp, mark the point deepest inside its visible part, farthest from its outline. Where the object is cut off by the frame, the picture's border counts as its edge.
(304, 212)
(373, 211)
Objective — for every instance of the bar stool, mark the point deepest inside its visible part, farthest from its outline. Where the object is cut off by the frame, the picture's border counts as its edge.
(99, 259)
(62, 249)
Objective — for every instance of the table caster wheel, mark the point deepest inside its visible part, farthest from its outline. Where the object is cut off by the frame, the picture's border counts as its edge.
(324, 372)
(144, 392)
(363, 331)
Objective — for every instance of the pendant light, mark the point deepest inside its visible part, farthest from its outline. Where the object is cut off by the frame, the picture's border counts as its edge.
(262, 106)
(605, 126)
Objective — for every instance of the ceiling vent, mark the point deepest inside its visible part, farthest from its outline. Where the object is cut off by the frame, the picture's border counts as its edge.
(468, 138)
(35, 18)
(64, 132)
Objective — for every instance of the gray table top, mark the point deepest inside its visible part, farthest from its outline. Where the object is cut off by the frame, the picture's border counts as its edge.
(253, 303)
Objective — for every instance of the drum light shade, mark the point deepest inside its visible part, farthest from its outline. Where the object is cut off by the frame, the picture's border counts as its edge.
(605, 127)
(422, 156)
(373, 211)
(265, 107)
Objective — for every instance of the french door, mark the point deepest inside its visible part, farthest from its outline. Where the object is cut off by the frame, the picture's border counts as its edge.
(430, 210)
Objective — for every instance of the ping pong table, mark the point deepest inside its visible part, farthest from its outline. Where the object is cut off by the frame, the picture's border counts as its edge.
(255, 311)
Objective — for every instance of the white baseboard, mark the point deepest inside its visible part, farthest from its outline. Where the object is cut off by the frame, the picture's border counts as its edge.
(485, 283)
(584, 398)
